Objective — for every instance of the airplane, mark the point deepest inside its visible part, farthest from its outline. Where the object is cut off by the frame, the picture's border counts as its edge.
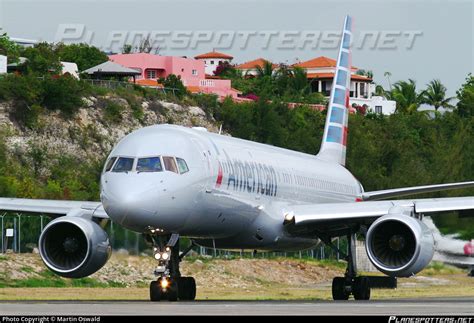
(167, 182)
(450, 250)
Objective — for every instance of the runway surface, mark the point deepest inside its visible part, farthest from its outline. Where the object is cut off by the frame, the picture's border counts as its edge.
(438, 306)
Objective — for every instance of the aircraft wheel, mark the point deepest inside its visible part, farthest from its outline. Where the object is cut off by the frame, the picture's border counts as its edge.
(187, 289)
(339, 292)
(155, 291)
(361, 288)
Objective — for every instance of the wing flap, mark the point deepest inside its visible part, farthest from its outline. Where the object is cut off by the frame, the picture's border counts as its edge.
(357, 211)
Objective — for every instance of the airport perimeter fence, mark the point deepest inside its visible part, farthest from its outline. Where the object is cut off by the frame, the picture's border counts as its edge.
(20, 234)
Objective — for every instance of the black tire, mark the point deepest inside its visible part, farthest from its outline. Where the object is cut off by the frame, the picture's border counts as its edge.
(187, 289)
(155, 292)
(339, 292)
(361, 288)
(172, 291)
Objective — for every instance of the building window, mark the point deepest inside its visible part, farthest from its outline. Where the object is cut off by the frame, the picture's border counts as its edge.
(378, 109)
(151, 74)
(182, 70)
(212, 62)
(195, 72)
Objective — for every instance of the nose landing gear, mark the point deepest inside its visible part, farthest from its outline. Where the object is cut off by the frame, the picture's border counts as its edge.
(170, 285)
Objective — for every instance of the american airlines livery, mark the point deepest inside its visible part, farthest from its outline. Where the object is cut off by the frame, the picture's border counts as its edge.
(167, 182)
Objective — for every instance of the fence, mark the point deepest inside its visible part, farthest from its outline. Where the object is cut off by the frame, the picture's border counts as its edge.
(111, 84)
(20, 233)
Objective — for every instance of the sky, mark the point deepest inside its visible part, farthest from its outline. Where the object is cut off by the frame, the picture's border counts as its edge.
(418, 39)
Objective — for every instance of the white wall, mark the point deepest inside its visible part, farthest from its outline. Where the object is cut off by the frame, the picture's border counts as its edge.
(70, 68)
(3, 64)
(387, 106)
(211, 68)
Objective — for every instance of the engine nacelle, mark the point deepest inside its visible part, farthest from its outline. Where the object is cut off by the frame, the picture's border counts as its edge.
(399, 245)
(74, 247)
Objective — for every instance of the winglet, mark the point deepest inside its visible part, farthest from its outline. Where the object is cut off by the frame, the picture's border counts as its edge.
(333, 147)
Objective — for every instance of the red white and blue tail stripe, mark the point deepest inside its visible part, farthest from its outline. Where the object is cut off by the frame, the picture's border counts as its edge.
(333, 147)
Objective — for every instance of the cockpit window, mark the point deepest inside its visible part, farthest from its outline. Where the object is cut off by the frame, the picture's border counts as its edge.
(182, 166)
(170, 164)
(150, 164)
(110, 163)
(123, 165)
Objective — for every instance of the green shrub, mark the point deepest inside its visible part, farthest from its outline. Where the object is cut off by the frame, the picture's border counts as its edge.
(63, 93)
(113, 112)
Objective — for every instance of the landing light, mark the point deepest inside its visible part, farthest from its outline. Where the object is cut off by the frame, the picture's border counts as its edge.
(165, 256)
(164, 283)
(157, 256)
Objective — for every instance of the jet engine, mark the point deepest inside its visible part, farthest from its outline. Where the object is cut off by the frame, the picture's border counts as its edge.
(74, 247)
(399, 245)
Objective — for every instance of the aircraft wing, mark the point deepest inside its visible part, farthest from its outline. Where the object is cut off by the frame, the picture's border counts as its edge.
(395, 192)
(359, 212)
(52, 207)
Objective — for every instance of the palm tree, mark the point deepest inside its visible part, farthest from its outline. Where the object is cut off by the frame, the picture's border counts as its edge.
(435, 95)
(404, 93)
(265, 70)
(387, 75)
(299, 82)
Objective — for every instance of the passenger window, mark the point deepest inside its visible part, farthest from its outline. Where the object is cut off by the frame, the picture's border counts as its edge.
(123, 165)
(182, 166)
(110, 163)
(150, 164)
(170, 164)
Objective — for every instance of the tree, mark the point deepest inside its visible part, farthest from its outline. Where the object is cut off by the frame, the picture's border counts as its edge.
(9, 48)
(388, 75)
(465, 95)
(368, 74)
(404, 93)
(435, 95)
(84, 55)
(174, 82)
(42, 59)
(225, 69)
(127, 49)
(266, 70)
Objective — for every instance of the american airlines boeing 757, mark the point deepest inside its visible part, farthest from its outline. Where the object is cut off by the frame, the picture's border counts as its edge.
(168, 182)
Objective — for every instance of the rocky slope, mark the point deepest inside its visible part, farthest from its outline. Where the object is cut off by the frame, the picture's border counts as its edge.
(89, 134)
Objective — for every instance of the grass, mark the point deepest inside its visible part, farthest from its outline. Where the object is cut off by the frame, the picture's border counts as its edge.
(276, 292)
(47, 279)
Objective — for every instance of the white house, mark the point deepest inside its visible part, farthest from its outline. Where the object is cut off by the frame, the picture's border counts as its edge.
(320, 72)
(70, 68)
(212, 60)
(3, 64)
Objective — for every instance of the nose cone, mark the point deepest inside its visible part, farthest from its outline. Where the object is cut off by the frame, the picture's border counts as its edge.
(128, 202)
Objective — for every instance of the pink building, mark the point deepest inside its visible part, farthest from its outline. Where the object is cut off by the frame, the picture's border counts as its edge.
(191, 71)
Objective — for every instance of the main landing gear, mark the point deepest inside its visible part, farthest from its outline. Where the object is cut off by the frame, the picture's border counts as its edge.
(170, 285)
(343, 287)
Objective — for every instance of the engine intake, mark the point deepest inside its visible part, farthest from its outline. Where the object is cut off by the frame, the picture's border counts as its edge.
(399, 245)
(74, 247)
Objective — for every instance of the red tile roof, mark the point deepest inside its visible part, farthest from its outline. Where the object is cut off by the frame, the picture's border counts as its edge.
(260, 62)
(331, 75)
(318, 62)
(214, 54)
